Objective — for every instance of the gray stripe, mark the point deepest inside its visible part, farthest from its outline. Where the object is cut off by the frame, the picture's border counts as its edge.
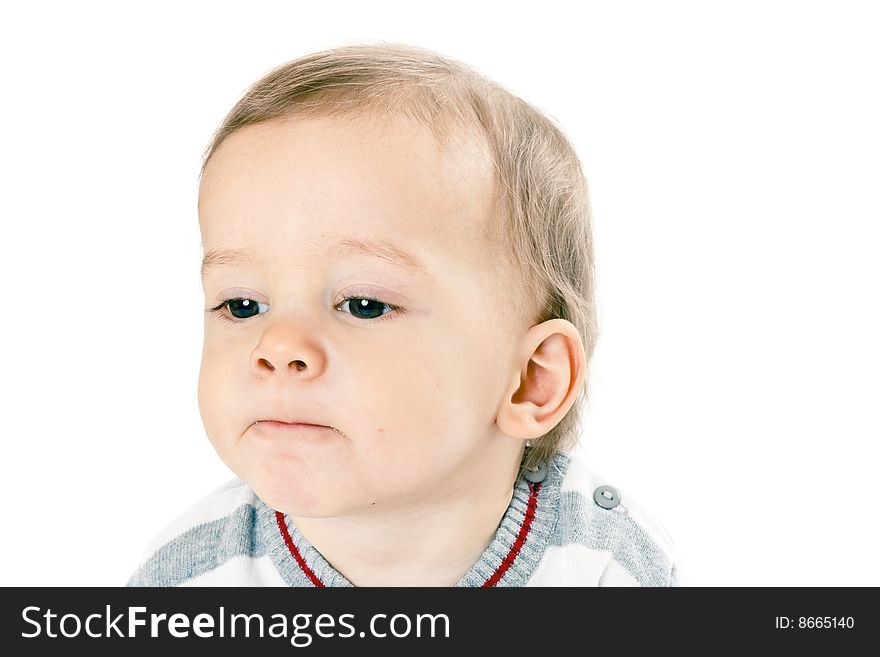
(631, 546)
(202, 549)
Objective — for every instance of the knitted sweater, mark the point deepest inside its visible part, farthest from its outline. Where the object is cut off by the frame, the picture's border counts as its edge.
(557, 532)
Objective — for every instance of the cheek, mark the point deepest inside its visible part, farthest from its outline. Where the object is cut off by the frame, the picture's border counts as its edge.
(455, 367)
(421, 402)
(222, 369)
(216, 395)
(207, 387)
(407, 390)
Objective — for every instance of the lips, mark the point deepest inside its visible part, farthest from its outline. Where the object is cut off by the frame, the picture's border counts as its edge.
(295, 423)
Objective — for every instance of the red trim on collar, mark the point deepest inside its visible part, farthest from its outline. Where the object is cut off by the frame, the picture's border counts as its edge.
(493, 579)
(282, 525)
(520, 538)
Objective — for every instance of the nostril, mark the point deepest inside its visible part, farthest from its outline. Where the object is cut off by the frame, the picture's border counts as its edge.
(298, 364)
(267, 364)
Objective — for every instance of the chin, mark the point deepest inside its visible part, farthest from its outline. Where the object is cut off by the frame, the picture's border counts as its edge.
(295, 497)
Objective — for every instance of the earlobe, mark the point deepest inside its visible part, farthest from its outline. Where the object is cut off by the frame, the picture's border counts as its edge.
(548, 382)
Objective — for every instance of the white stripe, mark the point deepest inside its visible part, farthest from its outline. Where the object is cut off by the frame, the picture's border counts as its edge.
(615, 575)
(570, 565)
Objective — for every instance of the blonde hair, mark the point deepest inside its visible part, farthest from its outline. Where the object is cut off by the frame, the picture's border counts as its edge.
(541, 205)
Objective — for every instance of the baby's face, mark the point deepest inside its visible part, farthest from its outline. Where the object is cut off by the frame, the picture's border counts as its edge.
(411, 382)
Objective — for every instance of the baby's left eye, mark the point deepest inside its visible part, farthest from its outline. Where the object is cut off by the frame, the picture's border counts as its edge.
(367, 308)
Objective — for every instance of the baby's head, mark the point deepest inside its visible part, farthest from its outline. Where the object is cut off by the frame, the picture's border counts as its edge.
(399, 250)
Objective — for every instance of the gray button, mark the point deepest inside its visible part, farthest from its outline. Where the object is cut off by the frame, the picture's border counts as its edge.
(536, 476)
(606, 496)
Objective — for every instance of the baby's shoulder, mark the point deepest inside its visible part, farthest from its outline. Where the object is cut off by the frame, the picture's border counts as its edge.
(195, 537)
(600, 520)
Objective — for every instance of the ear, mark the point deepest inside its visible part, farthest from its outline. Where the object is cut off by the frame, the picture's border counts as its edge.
(547, 384)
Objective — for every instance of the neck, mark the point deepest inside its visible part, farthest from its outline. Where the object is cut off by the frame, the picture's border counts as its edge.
(433, 544)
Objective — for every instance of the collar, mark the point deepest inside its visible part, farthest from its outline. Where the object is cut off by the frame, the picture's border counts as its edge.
(509, 560)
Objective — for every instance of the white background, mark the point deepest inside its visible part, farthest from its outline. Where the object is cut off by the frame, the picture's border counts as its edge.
(732, 152)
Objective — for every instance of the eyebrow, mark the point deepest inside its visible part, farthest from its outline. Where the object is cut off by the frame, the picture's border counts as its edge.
(383, 249)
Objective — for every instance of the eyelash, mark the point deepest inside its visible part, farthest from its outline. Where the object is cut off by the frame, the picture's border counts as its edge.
(218, 309)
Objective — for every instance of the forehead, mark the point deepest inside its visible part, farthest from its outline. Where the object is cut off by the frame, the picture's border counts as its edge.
(306, 183)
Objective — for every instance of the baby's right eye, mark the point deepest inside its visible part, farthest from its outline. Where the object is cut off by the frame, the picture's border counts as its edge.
(239, 308)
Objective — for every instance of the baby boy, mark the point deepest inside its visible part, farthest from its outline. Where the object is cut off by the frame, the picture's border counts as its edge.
(399, 317)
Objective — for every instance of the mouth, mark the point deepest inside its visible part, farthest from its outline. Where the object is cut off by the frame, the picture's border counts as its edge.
(280, 424)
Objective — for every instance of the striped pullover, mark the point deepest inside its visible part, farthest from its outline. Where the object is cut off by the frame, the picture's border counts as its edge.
(567, 530)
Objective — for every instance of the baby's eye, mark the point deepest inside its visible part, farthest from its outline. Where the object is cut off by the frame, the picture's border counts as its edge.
(367, 308)
(240, 308)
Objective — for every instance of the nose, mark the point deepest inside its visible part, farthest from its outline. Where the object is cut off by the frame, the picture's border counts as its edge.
(286, 350)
